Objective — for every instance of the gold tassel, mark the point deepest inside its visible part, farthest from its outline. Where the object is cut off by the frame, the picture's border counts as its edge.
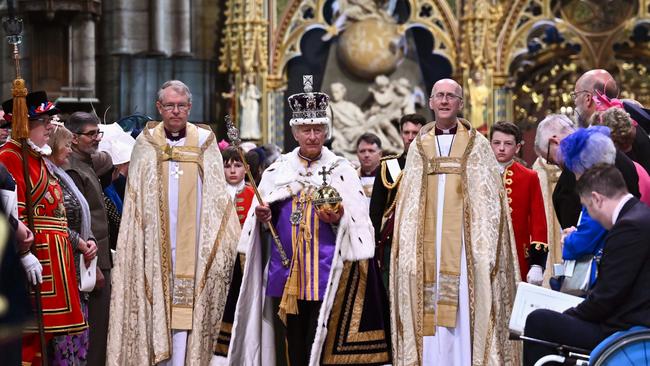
(289, 303)
(19, 117)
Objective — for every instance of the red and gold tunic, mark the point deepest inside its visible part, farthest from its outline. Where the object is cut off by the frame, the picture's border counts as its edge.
(59, 290)
(528, 215)
(243, 202)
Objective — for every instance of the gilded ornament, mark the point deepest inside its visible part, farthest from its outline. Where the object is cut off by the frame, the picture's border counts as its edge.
(326, 198)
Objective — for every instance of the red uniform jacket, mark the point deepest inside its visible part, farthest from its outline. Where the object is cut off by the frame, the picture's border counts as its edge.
(243, 202)
(59, 290)
(528, 216)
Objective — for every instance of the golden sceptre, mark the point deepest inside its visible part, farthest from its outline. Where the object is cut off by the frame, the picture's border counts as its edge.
(233, 135)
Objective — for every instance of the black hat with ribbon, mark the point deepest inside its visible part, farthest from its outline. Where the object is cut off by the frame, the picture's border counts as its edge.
(37, 105)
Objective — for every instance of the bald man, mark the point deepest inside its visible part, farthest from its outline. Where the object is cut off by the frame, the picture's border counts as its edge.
(600, 81)
(452, 268)
(565, 200)
(587, 86)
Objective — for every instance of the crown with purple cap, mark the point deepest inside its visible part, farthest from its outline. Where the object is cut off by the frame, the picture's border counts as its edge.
(310, 107)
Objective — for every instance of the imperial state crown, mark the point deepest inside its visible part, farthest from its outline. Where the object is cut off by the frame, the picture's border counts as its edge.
(309, 108)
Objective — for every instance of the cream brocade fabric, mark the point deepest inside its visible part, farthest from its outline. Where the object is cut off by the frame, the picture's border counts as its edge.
(548, 176)
(140, 314)
(491, 260)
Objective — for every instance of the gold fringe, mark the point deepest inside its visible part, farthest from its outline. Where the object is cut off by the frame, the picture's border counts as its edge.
(289, 303)
(19, 119)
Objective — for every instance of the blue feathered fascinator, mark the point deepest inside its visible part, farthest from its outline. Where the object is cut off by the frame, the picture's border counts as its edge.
(587, 147)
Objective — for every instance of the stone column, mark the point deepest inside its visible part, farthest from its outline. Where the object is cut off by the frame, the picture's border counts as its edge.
(275, 118)
(161, 27)
(181, 24)
(82, 55)
(503, 106)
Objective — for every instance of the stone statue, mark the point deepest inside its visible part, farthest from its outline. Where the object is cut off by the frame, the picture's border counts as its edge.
(249, 100)
(478, 100)
(358, 10)
(347, 122)
(390, 101)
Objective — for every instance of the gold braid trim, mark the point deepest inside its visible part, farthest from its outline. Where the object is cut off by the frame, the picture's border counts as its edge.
(384, 180)
(538, 245)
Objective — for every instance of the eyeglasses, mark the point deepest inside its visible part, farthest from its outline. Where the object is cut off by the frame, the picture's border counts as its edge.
(549, 160)
(92, 134)
(182, 107)
(574, 94)
(449, 96)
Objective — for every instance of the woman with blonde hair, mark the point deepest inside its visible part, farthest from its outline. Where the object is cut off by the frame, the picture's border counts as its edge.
(71, 349)
(623, 132)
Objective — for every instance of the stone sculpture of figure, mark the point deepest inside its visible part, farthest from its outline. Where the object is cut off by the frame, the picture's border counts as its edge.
(387, 106)
(349, 11)
(347, 120)
(249, 99)
(406, 99)
(478, 98)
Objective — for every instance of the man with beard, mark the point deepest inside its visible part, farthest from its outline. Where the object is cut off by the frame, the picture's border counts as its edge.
(85, 141)
(596, 90)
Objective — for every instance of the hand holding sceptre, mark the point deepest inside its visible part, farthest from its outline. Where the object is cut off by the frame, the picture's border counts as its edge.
(233, 135)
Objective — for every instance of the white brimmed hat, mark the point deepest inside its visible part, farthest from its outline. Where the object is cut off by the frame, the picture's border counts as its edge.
(117, 143)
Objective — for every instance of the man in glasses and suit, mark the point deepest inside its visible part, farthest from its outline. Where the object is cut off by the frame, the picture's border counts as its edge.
(81, 167)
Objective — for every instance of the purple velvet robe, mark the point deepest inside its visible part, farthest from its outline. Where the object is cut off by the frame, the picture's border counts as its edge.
(316, 250)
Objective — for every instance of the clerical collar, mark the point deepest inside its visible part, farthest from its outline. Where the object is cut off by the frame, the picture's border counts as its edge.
(371, 174)
(175, 136)
(307, 160)
(451, 131)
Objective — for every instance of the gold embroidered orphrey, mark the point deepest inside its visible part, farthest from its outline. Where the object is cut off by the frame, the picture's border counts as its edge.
(145, 295)
(491, 258)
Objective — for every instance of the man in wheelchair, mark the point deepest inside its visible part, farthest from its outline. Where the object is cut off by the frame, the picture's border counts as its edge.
(621, 297)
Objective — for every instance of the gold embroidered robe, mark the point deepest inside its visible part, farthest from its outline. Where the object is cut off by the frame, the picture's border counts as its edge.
(490, 255)
(140, 314)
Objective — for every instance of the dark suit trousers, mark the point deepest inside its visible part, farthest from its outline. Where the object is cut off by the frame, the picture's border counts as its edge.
(301, 331)
(98, 307)
(560, 328)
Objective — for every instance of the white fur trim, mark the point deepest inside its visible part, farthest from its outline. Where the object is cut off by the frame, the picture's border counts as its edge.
(252, 335)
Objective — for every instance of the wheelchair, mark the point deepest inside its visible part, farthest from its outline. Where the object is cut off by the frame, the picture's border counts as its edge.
(625, 348)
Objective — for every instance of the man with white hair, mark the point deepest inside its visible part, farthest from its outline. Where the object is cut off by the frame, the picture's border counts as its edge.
(319, 264)
(550, 131)
(176, 246)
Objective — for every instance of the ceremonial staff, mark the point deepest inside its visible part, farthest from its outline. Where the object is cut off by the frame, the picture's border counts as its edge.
(233, 135)
(20, 132)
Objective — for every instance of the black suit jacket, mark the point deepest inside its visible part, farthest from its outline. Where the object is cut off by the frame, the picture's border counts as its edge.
(641, 149)
(379, 199)
(621, 297)
(566, 201)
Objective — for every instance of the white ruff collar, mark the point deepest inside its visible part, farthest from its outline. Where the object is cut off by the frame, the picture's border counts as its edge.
(46, 150)
(233, 190)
